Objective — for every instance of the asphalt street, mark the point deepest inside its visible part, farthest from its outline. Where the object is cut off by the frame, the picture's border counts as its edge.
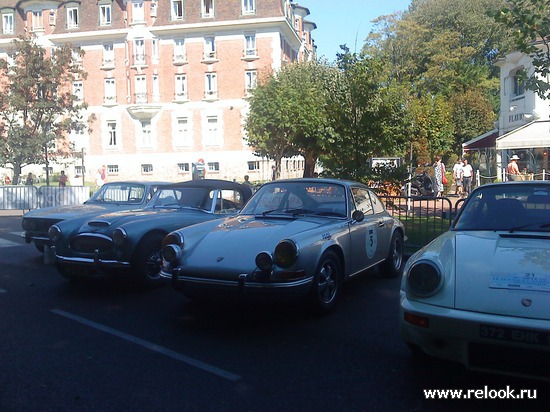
(108, 346)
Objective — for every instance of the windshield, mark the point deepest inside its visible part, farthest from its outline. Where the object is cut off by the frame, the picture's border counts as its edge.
(201, 198)
(296, 198)
(119, 193)
(507, 207)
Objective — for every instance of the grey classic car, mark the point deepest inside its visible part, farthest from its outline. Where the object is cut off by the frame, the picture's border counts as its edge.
(129, 242)
(111, 196)
(296, 238)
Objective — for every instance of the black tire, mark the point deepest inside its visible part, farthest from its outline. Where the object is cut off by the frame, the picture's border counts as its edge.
(393, 265)
(148, 259)
(327, 283)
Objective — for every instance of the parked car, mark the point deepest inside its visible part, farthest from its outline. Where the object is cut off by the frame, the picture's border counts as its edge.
(296, 238)
(111, 196)
(480, 293)
(129, 242)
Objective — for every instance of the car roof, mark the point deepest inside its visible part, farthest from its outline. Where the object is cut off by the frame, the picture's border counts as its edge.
(141, 182)
(319, 180)
(208, 183)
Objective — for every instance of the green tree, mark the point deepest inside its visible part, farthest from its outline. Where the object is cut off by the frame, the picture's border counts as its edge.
(288, 115)
(37, 107)
(529, 21)
(362, 108)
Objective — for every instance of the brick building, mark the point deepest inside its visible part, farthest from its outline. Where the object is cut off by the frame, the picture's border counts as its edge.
(167, 79)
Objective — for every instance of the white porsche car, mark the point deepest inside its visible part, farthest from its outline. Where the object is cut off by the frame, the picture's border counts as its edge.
(480, 293)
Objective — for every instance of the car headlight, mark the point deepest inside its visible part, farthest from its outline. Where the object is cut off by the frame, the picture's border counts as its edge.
(174, 238)
(171, 253)
(54, 233)
(286, 253)
(424, 279)
(119, 236)
(264, 261)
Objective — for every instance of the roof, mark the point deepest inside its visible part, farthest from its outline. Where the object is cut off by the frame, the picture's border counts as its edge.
(533, 135)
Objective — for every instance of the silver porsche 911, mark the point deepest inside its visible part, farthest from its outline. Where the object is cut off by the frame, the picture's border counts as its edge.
(480, 293)
(296, 238)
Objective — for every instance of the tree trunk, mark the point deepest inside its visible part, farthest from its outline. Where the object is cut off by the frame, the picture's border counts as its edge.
(310, 159)
(16, 173)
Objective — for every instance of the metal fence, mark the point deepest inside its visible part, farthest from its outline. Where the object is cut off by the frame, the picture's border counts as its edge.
(424, 218)
(32, 197)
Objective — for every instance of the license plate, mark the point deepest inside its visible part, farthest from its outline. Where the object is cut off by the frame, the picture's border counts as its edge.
(521, 281)
(530, 336)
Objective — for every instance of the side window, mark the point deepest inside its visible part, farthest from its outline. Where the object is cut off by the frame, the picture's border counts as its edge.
(362, 200)
(377, 204)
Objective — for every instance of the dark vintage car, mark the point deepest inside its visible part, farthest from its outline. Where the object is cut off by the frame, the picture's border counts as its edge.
(129, 242)
(296, 238)
(479, 294)
(111, 196)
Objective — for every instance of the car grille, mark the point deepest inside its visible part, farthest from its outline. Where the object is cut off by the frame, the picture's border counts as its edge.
(89, 243)
(522, 361)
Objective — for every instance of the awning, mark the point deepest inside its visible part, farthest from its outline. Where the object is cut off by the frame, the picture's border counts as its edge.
(484, 141)
(532, 135)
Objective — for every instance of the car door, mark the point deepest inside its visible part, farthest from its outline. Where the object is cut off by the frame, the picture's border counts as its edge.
(364, 234)
(384, 225)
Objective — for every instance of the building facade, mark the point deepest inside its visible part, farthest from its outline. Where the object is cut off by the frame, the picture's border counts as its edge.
(523, 128)
(167, 79)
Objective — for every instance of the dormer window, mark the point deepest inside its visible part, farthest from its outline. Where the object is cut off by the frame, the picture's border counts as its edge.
(207, 8)
(518, 80)
(72, 16)
(7, 22)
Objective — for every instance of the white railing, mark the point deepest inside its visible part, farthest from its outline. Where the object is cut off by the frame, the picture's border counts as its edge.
(32, 197)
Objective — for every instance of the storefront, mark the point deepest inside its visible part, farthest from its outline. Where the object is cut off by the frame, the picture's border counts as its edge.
(531, 144)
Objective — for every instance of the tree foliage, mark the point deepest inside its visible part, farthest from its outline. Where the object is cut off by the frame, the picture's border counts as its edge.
(37, 107)
(529, 21)
(288, 116)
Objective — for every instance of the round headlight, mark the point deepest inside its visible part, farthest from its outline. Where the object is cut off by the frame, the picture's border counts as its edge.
(119, 236)
(286, 253)
(174, 238)
(171, 253)
(264, 261)
(26, 224)
(54, 233)
(424, 279)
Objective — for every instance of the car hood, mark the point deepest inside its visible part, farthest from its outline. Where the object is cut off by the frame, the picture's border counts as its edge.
(67, 212)
(503, 273)
(234, 243)
(118, 218)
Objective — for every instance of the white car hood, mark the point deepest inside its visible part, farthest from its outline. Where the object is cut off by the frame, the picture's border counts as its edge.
(503, 273)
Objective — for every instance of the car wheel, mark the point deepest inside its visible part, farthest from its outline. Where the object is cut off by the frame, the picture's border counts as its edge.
(148, 259)
(393, 265)
(327, 283)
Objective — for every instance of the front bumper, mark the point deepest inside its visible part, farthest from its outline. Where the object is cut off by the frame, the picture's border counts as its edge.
(243, 287)
(97, 262)
(480, 341)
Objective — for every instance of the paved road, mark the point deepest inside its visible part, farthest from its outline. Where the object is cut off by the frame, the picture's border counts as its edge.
(106, 347)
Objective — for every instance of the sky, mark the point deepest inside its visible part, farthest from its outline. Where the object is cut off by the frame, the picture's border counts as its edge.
(346, 22)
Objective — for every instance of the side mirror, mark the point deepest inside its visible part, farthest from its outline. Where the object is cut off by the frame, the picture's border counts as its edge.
(358, 216)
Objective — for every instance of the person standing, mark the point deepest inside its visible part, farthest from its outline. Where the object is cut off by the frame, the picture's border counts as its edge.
(30, 180)
(439, 168)
(512, 169)
(457, 176)
(63, 179)
(467, 174)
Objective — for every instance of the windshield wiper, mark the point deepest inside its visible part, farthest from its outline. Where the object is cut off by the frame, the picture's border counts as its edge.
(300, 211)
(536, 225)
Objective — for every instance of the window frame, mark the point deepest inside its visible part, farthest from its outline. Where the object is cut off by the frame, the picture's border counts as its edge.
(10, 27)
